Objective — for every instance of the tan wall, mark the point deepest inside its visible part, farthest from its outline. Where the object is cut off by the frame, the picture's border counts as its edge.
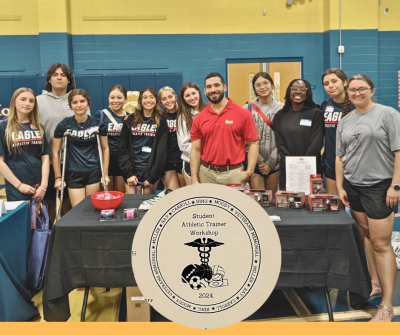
(239, 81)
(288, 72)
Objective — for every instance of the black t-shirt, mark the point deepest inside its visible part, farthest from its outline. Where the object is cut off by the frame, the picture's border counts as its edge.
(142, 142)
(299, 133)
(82, 149)
(174, 154)
(112, 132)
(332, 114)
(26, 164)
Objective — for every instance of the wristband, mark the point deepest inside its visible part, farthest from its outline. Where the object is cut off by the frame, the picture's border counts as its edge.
(19, 186)
(42, 189)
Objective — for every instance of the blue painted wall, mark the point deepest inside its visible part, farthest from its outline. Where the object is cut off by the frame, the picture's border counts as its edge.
(194, 56)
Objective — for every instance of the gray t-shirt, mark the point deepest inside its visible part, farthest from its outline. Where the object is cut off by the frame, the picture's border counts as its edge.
(268, 150)
(367, 144)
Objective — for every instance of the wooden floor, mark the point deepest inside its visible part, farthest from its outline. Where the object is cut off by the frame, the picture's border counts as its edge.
(102, 306)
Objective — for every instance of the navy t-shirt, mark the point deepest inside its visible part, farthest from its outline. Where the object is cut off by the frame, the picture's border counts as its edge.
(26, 164)
(332, 114)
(142, 142)
(174, 154)
(112, 132)
(82, 150)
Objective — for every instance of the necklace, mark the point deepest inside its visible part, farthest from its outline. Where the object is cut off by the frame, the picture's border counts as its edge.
(81, 124)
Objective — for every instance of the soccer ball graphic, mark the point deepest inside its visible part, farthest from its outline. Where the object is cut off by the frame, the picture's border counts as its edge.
(195, 283)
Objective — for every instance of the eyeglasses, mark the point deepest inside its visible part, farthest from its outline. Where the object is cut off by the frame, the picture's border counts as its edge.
(264, 83)
(299, 89)
(361, 90)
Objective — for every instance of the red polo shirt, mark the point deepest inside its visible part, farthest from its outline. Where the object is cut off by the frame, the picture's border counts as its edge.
(223, 134)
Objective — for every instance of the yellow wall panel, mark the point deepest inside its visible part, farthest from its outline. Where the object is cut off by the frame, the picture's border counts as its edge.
(52, 16)
(205, 17)
(28, 13)
(390, 21)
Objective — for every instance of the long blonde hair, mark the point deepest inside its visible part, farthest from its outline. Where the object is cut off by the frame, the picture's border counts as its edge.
(13, 126)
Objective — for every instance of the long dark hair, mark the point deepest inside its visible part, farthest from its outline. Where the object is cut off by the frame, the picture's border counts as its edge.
(184, 110)
(342, 76)
(309, 102)
(138, 115)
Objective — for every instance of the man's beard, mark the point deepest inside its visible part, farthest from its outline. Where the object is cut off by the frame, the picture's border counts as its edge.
(217, 99)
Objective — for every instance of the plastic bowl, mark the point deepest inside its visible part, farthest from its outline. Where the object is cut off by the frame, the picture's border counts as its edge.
(101, 204)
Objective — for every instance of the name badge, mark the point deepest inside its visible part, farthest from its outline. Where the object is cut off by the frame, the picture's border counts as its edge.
(146, 149)
(305, 122)
(329, 109)
(92, 130)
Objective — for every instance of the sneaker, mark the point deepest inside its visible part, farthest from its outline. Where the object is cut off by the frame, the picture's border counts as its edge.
(384, 314)
(376, 292)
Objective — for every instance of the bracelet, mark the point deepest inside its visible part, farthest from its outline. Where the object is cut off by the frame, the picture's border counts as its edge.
(56, 178)
(19, 186)
(42, 189)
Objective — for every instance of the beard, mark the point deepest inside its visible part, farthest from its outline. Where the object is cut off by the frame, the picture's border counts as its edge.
(217, 99)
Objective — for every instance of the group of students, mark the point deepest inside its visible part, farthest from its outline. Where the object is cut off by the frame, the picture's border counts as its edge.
(360, 159)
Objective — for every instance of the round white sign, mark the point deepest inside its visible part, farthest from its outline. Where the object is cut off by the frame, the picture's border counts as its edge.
(206, 256)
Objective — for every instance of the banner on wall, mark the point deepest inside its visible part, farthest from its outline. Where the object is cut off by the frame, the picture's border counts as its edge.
(132, 101)
(3, 111)
(277, 82)
(252, 96)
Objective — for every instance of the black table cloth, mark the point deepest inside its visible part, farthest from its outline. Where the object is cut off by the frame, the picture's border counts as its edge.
(318, 250)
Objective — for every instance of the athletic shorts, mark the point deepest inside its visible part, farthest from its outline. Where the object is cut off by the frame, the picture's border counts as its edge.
(329, 174)
(141, 175)
(370, 200)
(257, 171)
(174, 167)
(113, 167)
(51, 191)
(186, 169)
(76, 179)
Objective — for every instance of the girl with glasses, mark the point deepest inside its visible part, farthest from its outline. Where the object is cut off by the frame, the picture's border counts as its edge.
(266, 173)
(299, 127)
(368, 178)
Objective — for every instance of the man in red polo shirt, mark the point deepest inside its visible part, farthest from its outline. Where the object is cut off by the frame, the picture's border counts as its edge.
(218, 135)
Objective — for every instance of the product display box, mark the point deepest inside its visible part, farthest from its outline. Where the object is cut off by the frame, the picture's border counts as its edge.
(137, 307)
(262, 197)
(287, 199)
(323, 202)
(316, 184)
(238, 187)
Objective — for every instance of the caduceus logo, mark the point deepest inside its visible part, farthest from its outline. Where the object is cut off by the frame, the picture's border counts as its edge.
(202, 275)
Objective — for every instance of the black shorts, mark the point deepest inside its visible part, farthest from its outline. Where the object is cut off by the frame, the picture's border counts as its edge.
(330, 174)
(141, 175)
(174, 167)
(370, 200)
(257, 171)
(76, 179)
(51, 191)
(186, 169)
(113, 167)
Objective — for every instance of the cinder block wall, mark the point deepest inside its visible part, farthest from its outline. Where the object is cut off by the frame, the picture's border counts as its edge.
(125, 36)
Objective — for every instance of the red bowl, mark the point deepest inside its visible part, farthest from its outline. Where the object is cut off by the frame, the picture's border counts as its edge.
(101, 204)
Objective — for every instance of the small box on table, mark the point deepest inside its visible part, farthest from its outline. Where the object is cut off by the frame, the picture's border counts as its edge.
(287, 199)
(261, 196)
(323, 202)
(316, 184)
